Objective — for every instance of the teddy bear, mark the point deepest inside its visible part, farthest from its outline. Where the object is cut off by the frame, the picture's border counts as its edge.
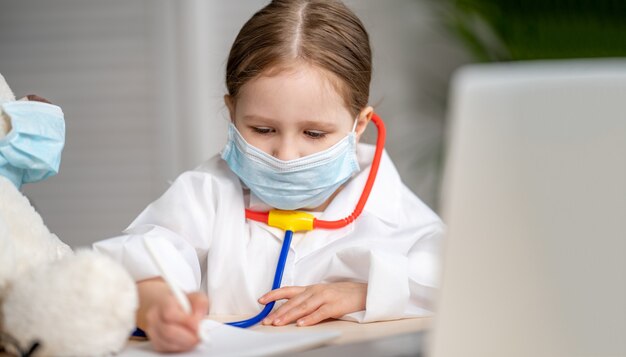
(53, 301)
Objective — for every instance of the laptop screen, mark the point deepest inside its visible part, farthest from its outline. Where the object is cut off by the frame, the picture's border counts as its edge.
(535, 202)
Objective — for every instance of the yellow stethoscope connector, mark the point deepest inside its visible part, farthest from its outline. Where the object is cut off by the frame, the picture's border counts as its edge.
(294, 221)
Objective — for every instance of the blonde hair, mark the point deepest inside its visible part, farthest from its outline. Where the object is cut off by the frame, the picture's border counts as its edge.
(324, 34)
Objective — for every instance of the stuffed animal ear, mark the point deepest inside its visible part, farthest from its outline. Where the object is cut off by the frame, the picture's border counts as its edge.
(6, 95)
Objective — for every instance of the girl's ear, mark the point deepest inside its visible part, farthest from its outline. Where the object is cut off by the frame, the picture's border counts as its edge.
(230, 104)
(364, 117)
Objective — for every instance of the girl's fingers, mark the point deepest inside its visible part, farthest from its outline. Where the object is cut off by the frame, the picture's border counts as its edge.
(179, 335)
(306, 307)
(172, 338)
(199, 305)
(159, 344)
(172, 314)
(293, 302)
(286, 292)
(173, 330)
(321, 314)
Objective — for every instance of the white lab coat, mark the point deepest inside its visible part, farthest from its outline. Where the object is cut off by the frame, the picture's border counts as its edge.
(206, 242)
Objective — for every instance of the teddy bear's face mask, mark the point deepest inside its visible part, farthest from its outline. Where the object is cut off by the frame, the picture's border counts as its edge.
(31, 151)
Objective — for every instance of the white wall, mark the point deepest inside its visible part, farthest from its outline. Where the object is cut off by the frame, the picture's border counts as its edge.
(141, 83)
(95, 59)
(413, 59)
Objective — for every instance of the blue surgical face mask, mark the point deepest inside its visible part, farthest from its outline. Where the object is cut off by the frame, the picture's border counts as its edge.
(306, 182)
(31, 151)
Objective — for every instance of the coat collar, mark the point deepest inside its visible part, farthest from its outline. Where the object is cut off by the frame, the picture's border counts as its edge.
(383, 201)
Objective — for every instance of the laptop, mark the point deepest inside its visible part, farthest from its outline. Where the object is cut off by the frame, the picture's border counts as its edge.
(534, 197)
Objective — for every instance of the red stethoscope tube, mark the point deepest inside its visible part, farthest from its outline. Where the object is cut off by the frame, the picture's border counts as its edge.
(319, 223)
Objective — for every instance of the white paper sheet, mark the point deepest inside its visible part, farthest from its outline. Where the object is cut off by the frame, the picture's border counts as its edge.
(226, 340)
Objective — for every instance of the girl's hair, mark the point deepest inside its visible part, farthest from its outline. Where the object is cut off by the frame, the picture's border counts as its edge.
(325, 34)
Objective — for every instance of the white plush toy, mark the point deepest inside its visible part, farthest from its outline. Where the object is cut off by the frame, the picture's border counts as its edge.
(79, 304)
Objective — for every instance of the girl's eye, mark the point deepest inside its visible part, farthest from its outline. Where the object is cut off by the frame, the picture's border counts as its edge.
(262, 130)
(314, 134)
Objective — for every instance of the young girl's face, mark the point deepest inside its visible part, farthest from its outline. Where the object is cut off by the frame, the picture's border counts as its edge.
(294, 113)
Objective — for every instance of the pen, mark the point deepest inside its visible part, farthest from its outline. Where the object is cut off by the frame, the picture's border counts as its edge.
(176, 290)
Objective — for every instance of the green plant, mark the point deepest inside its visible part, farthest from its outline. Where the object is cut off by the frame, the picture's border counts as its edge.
(501, 30)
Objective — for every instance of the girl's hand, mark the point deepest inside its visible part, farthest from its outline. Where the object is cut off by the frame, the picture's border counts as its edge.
(171, 329)
(309, 305)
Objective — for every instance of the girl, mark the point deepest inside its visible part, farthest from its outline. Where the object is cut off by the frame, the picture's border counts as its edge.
(298, 80)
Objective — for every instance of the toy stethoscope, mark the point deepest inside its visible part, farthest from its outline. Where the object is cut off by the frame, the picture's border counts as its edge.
(296, 221)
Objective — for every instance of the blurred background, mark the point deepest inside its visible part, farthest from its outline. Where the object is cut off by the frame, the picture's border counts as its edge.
(141, 84)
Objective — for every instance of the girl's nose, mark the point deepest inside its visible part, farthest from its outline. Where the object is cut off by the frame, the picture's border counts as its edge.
(286, 150)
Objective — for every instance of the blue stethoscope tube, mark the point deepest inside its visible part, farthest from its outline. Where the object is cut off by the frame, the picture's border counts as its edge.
(278, 277)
